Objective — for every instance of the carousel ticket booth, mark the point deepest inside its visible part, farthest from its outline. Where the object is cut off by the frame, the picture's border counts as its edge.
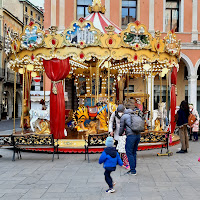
(102, 59)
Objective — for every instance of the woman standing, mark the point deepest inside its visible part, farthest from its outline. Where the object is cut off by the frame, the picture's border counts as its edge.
(182, 121)
(114, 123)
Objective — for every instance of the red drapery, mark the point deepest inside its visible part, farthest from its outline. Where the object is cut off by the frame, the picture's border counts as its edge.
(56, 71)
(173, 98)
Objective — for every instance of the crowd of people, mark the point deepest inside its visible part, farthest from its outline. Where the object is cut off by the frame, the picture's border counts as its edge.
(124, 139)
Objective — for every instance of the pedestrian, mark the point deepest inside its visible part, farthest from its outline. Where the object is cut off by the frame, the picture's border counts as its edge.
(122, 151)
(182, 122)
(110, 158)
(133, 138)
(114, 123)
(195, 126)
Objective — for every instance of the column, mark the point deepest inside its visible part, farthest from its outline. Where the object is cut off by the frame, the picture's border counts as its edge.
(53, 12)
(61, 15)
(107, 5)
(151, 96)
(194, 20)
(192, 90)
(151, 17)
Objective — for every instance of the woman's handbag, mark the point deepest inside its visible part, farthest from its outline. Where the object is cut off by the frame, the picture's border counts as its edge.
(191, 119)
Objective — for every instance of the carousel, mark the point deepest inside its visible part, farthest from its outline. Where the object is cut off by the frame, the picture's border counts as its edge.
(102, 59)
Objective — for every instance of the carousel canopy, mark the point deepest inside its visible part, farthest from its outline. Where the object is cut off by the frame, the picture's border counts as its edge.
(98, 19)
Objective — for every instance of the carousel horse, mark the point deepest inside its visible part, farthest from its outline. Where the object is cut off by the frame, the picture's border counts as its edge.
(85, 118)
(38, 121)
(161, 115)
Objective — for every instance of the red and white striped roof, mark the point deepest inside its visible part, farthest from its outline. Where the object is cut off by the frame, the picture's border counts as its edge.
(100, 22)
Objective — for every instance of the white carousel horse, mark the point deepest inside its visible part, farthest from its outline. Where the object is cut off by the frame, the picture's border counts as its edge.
(38, 114)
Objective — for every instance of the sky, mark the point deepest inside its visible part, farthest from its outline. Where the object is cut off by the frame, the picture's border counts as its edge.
(38, 2)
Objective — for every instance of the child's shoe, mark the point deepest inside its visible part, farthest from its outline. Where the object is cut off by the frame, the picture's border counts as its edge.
(114, 183)
(199, 159)
(110, 190)
(127, 167)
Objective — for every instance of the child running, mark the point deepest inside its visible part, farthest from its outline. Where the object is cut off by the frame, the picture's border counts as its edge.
(110, 158)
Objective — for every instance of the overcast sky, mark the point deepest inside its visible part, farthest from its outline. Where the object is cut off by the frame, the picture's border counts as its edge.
(38, 2)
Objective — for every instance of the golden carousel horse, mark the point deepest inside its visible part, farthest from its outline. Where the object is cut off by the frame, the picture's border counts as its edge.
(96, 117)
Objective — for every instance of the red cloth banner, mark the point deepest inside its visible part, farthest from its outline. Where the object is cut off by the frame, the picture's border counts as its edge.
(174, 76)
(56, 71)
(173, 107)
(173, 98)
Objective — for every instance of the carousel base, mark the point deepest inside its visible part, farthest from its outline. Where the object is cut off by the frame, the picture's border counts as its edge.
(77, 146)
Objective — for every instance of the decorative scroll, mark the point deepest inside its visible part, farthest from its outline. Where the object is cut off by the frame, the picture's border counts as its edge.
(6, 140)
(82, 34)
(30, 140)
(32, 37)
(153, 137)
(136, 36)
(97, 140)
(172, 45)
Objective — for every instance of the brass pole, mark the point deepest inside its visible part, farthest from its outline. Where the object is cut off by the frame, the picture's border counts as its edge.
(160, 89)
(127, 85)
(91, 82)
(14, 102)
(23, 100)
(151, 96)
(98, 81)
(108, 92)
(44, 84)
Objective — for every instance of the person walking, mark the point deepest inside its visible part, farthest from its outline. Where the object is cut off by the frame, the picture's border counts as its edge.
(132, 140)
(182, 121)
(114, 123)
(110, 158)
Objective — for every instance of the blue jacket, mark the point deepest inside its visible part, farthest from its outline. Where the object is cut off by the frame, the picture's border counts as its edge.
(110, 157)
(182, 118)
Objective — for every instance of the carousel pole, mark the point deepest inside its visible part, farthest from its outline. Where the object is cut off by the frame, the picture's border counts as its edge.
(98, 81)
(160, 89)
(108, 91)
(14, 103)
(91, 82)
(151, 96)
(128, 86)
(167, 92)
(23, 100)
(44, 84)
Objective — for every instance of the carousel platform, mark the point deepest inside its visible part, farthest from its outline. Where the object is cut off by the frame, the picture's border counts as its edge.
(75, 143)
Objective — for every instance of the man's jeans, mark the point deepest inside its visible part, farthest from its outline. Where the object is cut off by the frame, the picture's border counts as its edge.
(132, 142)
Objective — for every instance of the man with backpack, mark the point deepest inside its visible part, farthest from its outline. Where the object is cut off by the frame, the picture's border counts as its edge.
(132, 123)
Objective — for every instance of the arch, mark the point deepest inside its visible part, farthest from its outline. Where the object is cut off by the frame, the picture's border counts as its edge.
(197, 65)
(189, 64)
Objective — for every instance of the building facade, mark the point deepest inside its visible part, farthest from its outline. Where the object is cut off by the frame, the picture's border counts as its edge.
(12, 16)
(180, 15)
(32, 13)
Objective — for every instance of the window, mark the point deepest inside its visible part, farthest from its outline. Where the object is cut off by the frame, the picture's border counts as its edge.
(82, 8)
(26, 9)
(26, 20)
(128, 11)
(31, 12)
(172, 15)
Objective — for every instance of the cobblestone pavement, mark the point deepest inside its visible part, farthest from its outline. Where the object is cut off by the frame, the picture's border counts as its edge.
(72, 178)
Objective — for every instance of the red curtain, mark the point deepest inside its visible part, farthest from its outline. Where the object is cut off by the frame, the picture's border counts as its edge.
(56, 71)
(173, 98)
